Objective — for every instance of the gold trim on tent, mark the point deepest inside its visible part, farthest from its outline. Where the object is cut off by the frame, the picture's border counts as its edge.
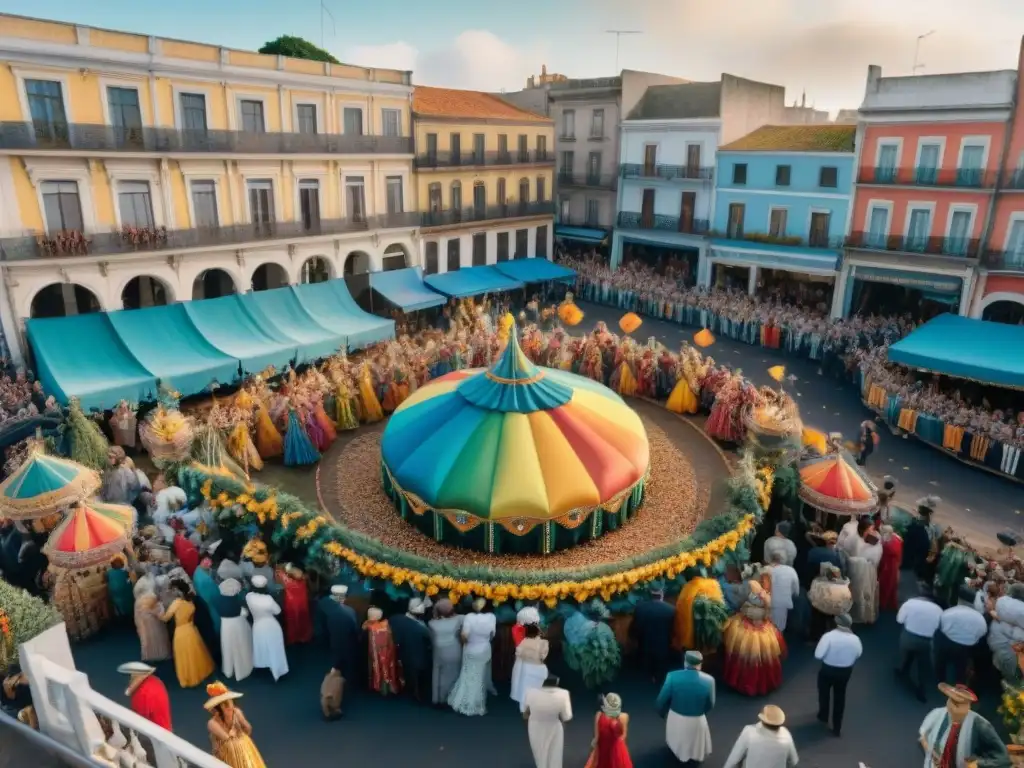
(79, 488)
(502, 380)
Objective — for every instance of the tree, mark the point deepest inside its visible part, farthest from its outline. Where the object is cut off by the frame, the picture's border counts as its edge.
(297, 48)
(22, 617)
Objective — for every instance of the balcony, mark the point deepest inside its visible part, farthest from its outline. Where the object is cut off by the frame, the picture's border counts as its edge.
(160, 239)
(661, 223)
(961, 178)
(667, 172)
(588, 180)
(764, 238)
(90, 137)
(1014, 179)
(948, 247)
(511, 210)
(1003, 261)
(475, 159)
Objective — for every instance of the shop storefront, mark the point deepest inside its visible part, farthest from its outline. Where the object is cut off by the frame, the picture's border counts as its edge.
(871, 288)
(734, 264)
(682, 252)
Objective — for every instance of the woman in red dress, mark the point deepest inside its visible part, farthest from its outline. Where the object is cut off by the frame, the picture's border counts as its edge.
(298, 624)
(611, 726)
(889, 569)
(383, 658)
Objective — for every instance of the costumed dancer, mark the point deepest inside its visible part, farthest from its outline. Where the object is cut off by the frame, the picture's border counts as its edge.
(383, 658)
(372, 412)
(722, 423)
(683, 399)
(153, 637)
(192, 660)
(148, 694)
(230, 732)
(954, 736)
(863, 569)
(298, 449)
(346, 415)
(235, 633)
(754, 647)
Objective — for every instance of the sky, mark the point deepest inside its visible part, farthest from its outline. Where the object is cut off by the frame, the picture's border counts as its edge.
(821, 47)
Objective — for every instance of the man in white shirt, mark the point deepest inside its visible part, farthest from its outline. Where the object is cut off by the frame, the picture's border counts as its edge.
(837, 651)
(920, 617)
(780, 543)
(785, 589)
(764, 745)
(961, 628)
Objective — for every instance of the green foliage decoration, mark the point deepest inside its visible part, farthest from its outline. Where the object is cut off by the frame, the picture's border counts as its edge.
(296, 48)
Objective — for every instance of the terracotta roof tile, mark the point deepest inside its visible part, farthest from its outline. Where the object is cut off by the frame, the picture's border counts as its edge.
(453, 103)
(796, 138)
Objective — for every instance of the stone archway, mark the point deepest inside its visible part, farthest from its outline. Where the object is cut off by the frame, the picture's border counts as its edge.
(316, 269)
(146, 291)
(212, 284)
(64, 300)
(269, 276)
(358, 263)
(1009, 311)
(395, 257)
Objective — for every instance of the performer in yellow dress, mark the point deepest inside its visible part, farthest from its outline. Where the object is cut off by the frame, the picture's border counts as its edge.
(371, 405)
(269, 442)
(192, 661)
(682, 399)
(230, 732)
(345, 414)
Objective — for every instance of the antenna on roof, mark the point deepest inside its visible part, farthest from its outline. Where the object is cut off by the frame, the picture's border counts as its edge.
(917, 50)
(618, 38)
(334, 28)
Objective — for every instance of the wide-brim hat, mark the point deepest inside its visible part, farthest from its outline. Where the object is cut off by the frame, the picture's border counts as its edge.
(136, 668)
(772, 715)
(219, 693)
(958, 693)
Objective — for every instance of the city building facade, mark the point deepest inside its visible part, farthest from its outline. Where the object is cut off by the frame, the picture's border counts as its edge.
(782, 203)
(667, 156)
(485, 179)
(929, 153)
(136, 170)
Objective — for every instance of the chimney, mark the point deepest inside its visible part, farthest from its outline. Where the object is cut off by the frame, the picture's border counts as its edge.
(874, 76)
(803, 99)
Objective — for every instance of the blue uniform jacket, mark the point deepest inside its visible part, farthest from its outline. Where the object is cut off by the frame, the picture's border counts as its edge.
(687, 692)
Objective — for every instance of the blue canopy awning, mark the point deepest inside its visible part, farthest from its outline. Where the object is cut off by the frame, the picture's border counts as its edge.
(471, 281)
(978, 350)
(333, 307)
(535, 270)
(405, 289)
(281, 310)
(226, 324)
(581, 234)
(82, 356)
(921, 280)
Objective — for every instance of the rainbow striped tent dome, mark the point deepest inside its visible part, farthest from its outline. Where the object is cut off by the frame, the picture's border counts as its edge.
(834, 483)
(88, 536)
(544, 455)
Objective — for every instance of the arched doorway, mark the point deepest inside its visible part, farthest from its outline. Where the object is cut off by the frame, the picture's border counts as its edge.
(145, 291)
(395, 257)
(212, 284)
(315, 270)
(64, 300)
(1004, 311)
(357, 263)
(269, 276)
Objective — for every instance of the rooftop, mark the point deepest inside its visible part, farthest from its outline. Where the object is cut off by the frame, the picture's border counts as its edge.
(796, 138)
(961, 90)
(679, 102)
(474, 105)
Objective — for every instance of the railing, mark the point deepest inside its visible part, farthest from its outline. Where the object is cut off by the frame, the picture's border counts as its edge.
(1014, 179)
(970, 178)
(567, 137)
(128, 240)
(952, 247)
(794, 241)
(471, 159)
(106, 138)
(511, 210)
(662, 223)
(1003, 261)
(593, 180)
(643, 171)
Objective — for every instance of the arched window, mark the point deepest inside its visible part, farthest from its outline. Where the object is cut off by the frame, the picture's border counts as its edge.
(479, 200)
(456, 204)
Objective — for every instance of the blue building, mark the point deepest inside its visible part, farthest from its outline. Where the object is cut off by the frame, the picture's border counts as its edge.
(782, 205)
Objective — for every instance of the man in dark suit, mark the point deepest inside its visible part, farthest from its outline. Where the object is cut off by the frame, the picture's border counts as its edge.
(652, 625)
(412, 638)
(341, 626)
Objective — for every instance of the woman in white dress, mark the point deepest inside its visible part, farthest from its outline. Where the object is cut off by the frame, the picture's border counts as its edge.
(546, 709)
(863, 570)
(235, 632)
(529, 671)
(469, 694)
(267, 637)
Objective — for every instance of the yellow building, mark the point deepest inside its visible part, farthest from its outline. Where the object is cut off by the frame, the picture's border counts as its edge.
(137, 170)
(484, 179)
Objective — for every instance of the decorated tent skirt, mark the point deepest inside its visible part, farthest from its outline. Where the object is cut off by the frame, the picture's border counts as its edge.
(753, 655)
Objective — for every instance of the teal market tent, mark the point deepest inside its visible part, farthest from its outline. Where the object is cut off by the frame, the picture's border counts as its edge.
(82, 356)
(535, 270)
(230, 328)
(170, 347)
(405, 289)
(282, 310)
(471, 281)
(965, 348)
(333, 307)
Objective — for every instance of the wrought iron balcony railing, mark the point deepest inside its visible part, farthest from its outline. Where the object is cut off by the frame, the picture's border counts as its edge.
(669, 172)
(662, 223)
(950, 247)
(811, 241)
(970, 178)
(160, 239)
(471, 159)
(91, 137)
(511, 210)
(1003, 261)
(591, 180)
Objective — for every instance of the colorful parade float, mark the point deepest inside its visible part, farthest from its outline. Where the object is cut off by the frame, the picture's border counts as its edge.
(836, 488)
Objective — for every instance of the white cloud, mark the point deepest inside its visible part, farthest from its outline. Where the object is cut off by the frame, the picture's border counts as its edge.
(398, 55)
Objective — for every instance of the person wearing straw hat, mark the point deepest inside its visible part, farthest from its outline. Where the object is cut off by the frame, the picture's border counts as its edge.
(954, 736)
(767, 744)
(230, 732)
(685, 700)
(147, 693)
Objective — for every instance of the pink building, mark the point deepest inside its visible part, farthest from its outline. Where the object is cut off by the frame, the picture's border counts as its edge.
(929, 154)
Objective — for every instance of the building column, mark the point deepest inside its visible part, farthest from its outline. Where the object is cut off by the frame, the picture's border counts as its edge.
(752, 281)
(551, 240)
(966, 286)
(839, 293)
(67, 292)
(978, 294)
(616, 254)
(703, 267)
